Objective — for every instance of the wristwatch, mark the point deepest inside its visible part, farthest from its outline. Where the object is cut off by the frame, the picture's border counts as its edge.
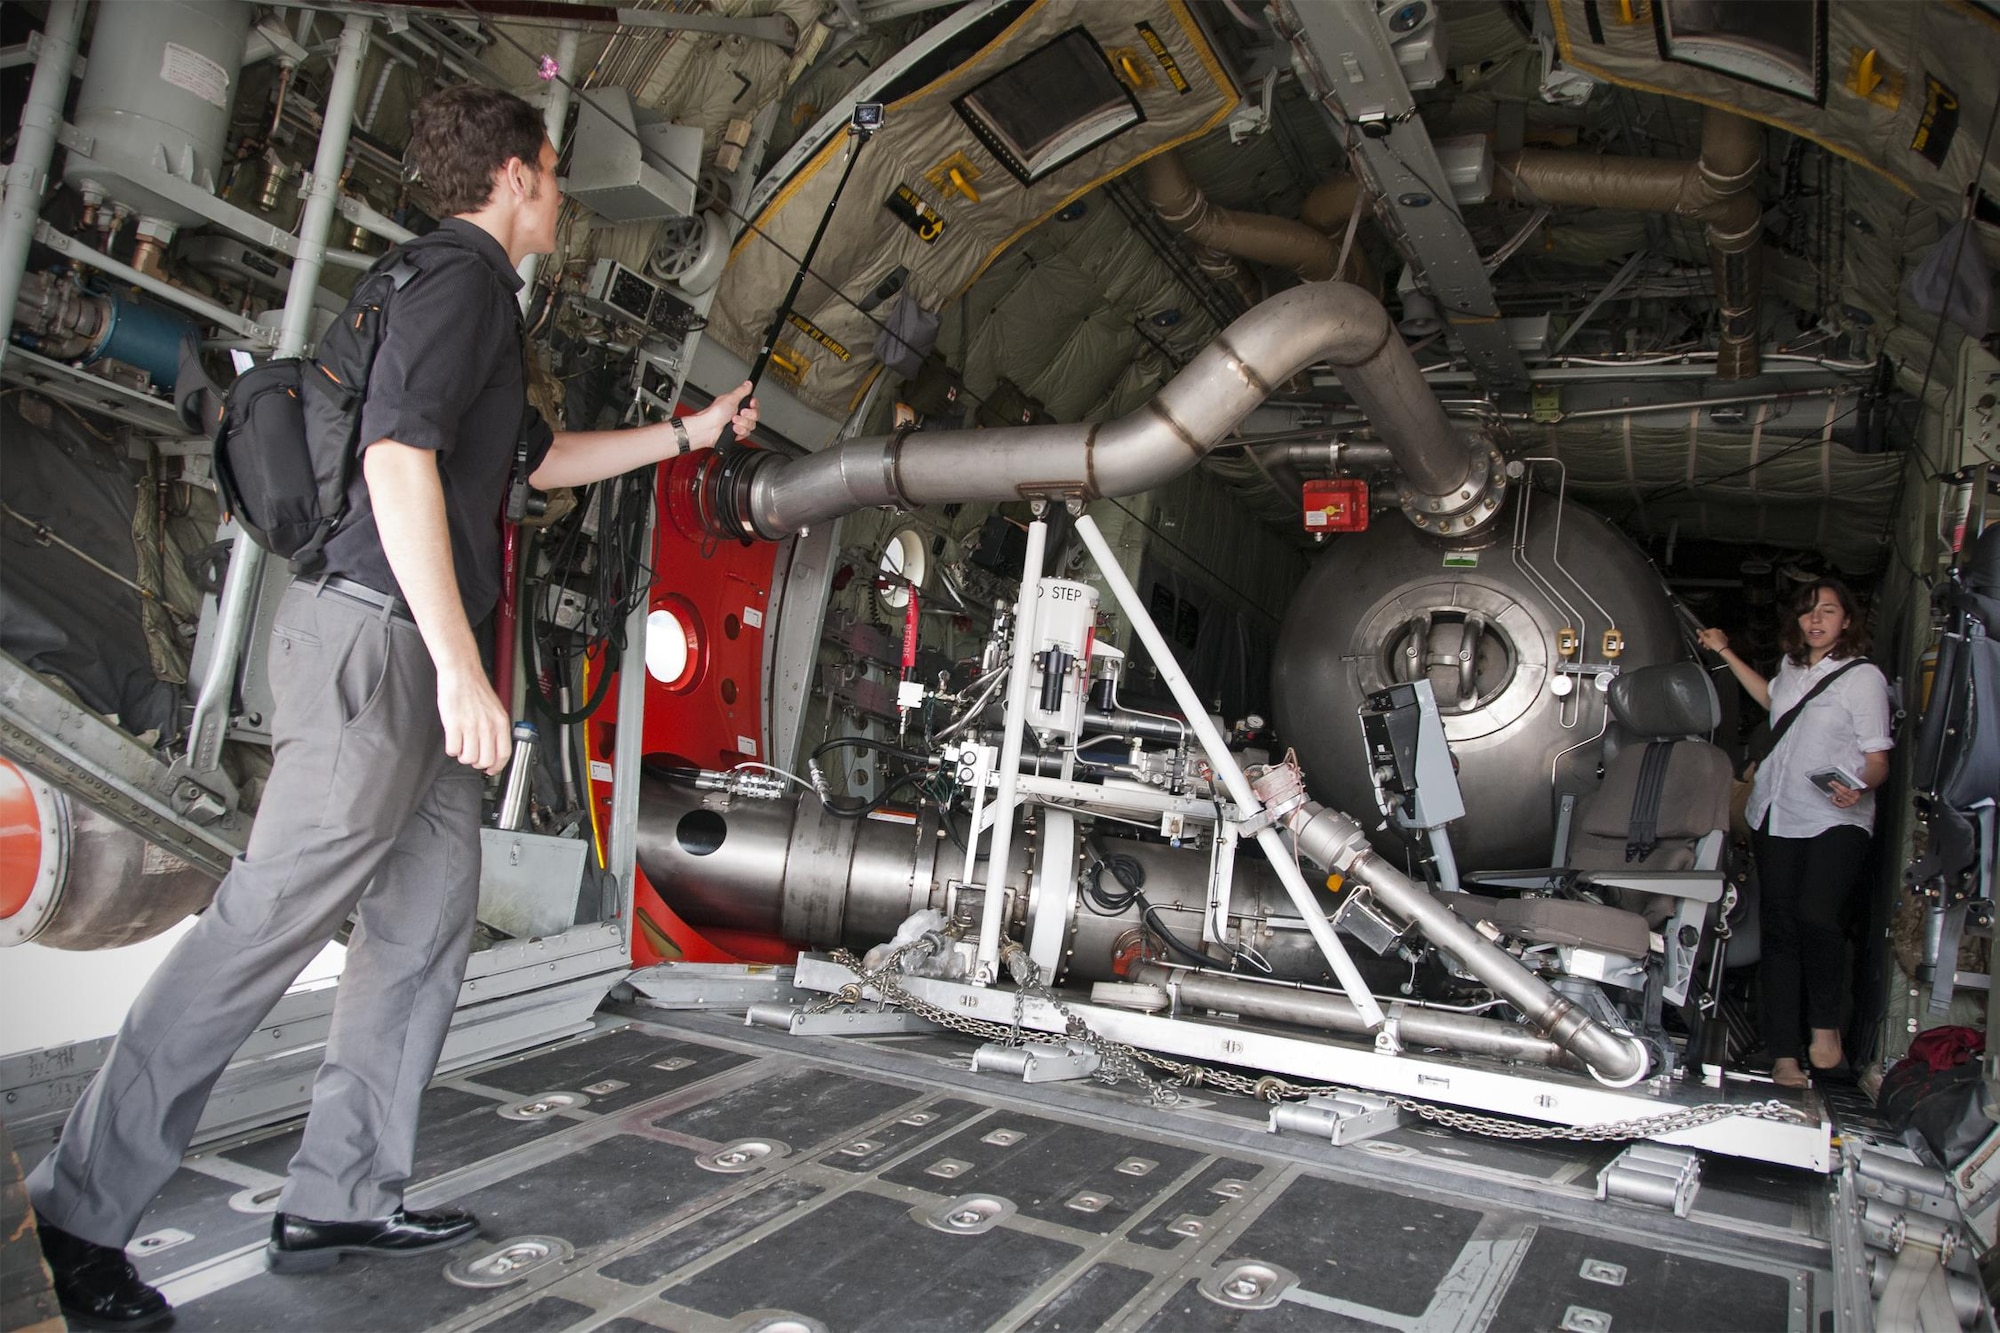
(682, 444)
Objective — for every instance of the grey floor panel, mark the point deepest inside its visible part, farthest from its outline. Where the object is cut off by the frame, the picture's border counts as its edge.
(548, 1313)
(1191, 1312)
(631, 1057)
(1364, 1246)
(828, 1233)
(821, 1266)
(1045, 1169)
(1652, 1289)
(884, 1143)
(1203, 1198)
(1101, 1291)
(710, 1232)
(197, 1205)
(601, 1192)
(798, 1106)
(456, 1129)
(379, 1295)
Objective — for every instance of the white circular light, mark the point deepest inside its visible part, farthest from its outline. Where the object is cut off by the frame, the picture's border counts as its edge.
(904, 559)
(666, 647)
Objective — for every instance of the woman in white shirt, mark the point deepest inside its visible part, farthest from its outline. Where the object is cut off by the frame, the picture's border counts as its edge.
(1811, 844)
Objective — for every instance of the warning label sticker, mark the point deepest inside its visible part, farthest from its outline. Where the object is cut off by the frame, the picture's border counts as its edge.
(915, 214)
(1939, 124)
(817, 334)
(186, 68)
(1165, 57)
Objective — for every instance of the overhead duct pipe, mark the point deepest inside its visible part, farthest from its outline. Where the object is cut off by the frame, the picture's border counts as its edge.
(1331, 203)
(1260, 237)
(758, 493)
(1716, 190)
(1333, 840)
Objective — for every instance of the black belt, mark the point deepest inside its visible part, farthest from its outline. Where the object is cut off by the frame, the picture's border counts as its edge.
(393, 607)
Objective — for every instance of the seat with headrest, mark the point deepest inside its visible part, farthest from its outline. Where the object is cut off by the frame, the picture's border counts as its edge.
(1665, 788)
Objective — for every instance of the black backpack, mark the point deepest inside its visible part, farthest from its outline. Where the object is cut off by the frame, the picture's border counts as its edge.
(288, 438)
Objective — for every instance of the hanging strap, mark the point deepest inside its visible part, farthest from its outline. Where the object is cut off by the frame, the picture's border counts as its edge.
(1642, 830)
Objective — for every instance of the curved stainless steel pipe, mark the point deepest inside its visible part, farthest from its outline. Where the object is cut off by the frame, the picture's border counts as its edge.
(1417, 1025)
(1336, 842)
(1329, 321)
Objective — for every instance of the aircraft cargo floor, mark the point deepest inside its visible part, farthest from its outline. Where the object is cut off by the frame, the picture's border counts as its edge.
(681, 1171)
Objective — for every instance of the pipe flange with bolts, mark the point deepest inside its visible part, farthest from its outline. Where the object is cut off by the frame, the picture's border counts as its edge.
(1467, 509)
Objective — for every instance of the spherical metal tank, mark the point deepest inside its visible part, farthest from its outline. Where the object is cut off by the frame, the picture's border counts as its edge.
(156, 97)
(1384, 605)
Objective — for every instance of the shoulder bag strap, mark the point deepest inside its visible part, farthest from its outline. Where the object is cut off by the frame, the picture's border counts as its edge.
(1784, 724)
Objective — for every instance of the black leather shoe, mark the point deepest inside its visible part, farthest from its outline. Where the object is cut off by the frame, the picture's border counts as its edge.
(301, 1245)
(97, 1286)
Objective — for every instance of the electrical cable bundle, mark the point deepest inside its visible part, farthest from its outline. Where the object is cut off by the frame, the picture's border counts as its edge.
(618, 581)
(1131, 877)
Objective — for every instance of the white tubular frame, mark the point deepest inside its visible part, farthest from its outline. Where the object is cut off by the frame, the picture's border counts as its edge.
(1225, 765)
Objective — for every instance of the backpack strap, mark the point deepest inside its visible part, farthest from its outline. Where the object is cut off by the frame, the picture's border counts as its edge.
(399, 267)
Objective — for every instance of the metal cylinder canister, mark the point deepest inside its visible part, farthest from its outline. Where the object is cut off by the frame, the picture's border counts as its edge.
(156, 97)
(70, 878)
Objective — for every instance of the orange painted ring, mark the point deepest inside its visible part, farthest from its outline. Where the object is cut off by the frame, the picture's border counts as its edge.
(34, 853)
(20, 840)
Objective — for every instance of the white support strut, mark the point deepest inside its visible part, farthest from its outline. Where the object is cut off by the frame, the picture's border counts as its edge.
(1027, 613)
(1226, 768)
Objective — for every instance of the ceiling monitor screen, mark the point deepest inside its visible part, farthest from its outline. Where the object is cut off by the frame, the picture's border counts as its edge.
(1776, 44)
(1050, 107)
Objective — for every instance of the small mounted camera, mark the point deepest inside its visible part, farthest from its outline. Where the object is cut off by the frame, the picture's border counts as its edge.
(867, 117)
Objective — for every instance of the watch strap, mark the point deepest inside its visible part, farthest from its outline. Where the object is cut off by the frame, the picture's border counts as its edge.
(682, 443)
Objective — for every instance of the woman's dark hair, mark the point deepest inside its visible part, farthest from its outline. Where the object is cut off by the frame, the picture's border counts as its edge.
(460, 136)
(1854, 641)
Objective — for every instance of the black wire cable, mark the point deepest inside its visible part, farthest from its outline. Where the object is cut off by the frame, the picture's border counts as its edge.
(1131, 877)
(870, 743)
(867, 808)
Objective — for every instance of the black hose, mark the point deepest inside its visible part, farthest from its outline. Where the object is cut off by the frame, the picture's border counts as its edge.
(870, 743)
(1131, 877)
(867, 808)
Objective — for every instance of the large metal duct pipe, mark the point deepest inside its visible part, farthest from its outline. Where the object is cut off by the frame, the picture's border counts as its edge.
(1335, 841)
(1276, 241)
(1416, 1025)
(1717, 190)
(71, 878)
(759, 493)
(791, 870)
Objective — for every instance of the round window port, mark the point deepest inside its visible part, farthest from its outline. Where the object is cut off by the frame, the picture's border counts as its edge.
(674, 643)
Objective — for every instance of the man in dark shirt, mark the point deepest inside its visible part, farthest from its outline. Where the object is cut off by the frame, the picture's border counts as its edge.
(386, 721)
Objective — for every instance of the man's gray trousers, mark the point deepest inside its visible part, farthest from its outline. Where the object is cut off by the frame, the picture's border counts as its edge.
(363, 813)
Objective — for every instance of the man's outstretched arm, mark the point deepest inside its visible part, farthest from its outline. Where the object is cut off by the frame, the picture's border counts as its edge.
(580, 457)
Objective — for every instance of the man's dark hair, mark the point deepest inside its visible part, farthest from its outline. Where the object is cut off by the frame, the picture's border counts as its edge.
(1854, 641)
(460, 136)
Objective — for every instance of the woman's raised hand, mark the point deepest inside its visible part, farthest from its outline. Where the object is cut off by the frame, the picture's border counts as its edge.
(1713, 639)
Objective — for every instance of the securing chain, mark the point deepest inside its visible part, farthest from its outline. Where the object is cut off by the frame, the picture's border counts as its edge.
(1120, 1063)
